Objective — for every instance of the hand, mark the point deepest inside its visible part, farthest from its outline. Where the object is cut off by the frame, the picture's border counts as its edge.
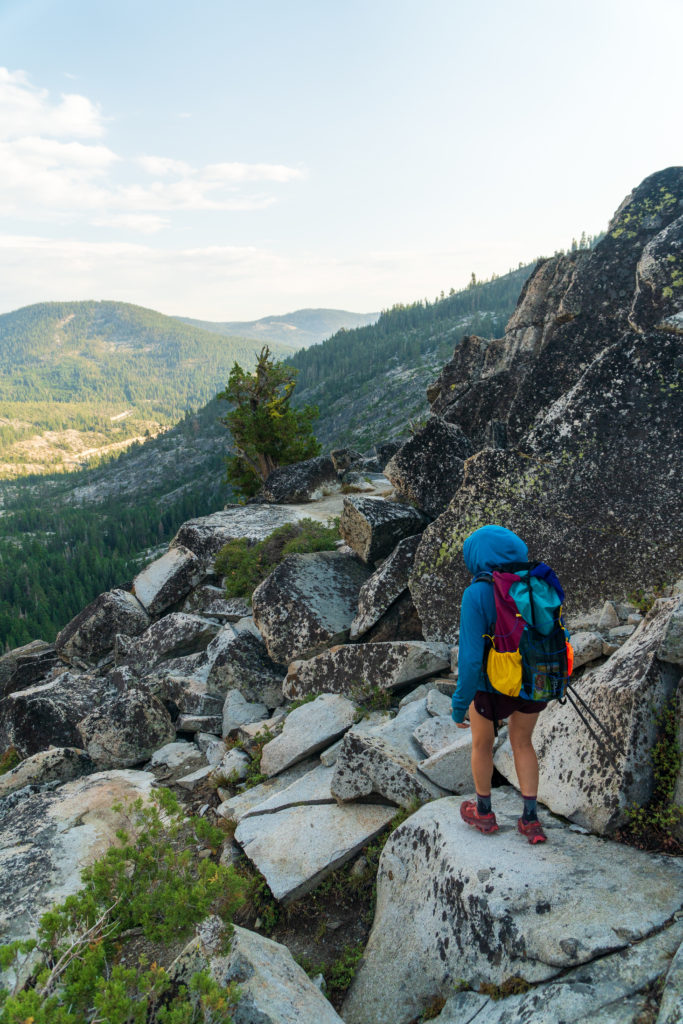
(463, 725)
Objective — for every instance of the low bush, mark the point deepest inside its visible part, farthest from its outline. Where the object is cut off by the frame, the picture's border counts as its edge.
(656, 826)
(152, 884)
(245, 565)
(9, 760)
(512, 986)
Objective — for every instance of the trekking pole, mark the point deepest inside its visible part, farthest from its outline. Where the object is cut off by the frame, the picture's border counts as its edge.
(597, 739)
(595, 718)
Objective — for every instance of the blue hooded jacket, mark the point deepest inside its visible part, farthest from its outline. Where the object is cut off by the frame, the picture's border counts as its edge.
(486, 547)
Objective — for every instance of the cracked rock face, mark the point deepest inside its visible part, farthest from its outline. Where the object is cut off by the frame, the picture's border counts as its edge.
(308, 603)
(272, 835)
(449, 906)
(611, 990)
(428, 469)
(91, 634)
(577, 778)
(373, 526)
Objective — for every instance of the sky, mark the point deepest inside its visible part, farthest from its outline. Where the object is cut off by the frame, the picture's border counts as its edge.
(230, 160)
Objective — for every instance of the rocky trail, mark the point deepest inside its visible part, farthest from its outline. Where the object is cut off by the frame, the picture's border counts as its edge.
(312, 722)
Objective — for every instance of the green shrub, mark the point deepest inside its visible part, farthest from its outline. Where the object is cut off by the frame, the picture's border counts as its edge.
(341, 973)
(9, 760)
(371, 696)
(512, 986)
(245, 566)
(151, 882)
(656, 825)
(433, 1008)
(260, 902)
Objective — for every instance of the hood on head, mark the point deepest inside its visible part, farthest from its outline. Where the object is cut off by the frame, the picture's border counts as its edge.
(492, 545)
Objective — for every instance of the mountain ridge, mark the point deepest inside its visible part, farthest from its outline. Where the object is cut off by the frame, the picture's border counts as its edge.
(296, 330)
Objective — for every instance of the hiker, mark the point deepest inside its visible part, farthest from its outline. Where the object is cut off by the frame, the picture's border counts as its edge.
(484, 549)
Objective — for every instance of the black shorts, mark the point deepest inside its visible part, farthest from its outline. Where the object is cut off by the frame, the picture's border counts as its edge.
(505, 706)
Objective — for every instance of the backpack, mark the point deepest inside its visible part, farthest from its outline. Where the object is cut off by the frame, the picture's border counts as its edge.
(527, 652)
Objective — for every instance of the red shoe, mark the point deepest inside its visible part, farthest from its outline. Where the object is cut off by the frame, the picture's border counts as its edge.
(486, 823)
(532, 830)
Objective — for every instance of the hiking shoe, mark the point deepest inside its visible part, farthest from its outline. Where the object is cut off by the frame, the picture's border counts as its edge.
(486, 823)
(532, 830)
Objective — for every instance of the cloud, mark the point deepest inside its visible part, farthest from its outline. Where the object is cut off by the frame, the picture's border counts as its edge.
(251, 172)
(144, 223)
(27, 110)
(162, 165)
(52, 168)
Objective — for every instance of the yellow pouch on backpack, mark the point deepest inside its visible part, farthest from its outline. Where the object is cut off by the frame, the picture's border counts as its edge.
(504, 669)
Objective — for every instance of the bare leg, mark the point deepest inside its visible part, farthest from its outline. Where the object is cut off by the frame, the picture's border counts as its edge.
(482, 751)
(520, 728)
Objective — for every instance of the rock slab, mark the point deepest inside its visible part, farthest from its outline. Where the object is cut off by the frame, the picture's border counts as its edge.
(450, 907)
(273, 988)
(308, 729)
(166, 580)
(384, 587)
(308, 603)
(206, 535)
(296, 848)
(126, 730)
(367, 764)
(373, 526)
(26, 666)
(91, 634)
(58, 764)
(357, 669)
(428, 469)
(301, 482)
(48, 714)
(238, 660)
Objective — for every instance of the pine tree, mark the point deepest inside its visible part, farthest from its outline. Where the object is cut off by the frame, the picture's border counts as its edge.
(266, 431)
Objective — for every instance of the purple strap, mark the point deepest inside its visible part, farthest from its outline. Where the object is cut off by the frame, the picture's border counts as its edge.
(509, 624)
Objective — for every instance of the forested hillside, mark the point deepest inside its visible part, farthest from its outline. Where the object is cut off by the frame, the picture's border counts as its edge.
(369, 382)
(65, 538)
(82, 378)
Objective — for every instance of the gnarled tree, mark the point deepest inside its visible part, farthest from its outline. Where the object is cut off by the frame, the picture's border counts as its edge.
(266, 431)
